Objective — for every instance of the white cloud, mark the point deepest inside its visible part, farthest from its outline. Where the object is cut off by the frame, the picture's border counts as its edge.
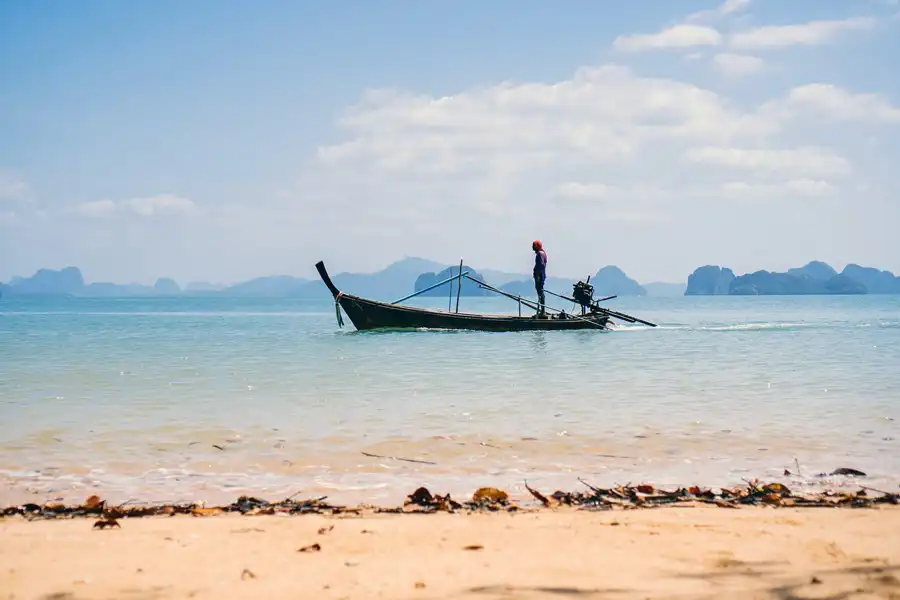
(417, 162)
(809, 161)
(794, 188)
(557, 157)
(98, 208)
(164, 204)
(677, 36)
(834, 102)
(634, 203)
(728, 7)
(577, 190)
(738, 65)
(12, 187)
(811, 33)
(602, 115)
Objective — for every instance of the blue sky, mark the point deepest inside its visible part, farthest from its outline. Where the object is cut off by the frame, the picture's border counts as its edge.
(225, 140)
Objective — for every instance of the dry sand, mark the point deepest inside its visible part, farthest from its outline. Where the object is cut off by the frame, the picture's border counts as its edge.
(683, 552)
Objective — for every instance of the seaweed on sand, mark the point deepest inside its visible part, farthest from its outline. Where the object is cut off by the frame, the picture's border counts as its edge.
(485, 499)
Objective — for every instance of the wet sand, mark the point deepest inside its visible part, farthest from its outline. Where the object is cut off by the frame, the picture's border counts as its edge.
(675, 552)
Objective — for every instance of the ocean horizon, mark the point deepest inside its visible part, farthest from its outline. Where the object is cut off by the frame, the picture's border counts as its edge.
(211, 397)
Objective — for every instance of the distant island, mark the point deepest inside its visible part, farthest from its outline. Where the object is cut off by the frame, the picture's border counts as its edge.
(399, 279)
(814, 278)
(465, 288)
(608, 281)
(411, 274)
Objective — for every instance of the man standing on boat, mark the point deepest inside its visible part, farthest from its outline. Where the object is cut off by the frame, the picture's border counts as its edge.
(540, 273)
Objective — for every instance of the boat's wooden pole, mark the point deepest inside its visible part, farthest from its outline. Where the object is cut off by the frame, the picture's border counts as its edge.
(430, 287)
(458, 285)
(532, 305)
(608, 312)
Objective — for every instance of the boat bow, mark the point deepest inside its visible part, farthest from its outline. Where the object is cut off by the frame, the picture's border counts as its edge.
(320, 267)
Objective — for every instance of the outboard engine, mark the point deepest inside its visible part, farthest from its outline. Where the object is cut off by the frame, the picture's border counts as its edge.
(583, 293)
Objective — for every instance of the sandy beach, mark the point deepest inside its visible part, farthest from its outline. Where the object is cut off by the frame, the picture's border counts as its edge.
(675, 552)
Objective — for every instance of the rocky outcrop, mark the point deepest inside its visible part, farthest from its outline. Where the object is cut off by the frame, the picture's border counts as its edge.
(165, 286)
(469, 288)
(709, 280)
(815, 277)
(203, 286)
(875, 280)
(64, 282)
(612, 281)
(815, 269)
(766, 283)
(841, 284)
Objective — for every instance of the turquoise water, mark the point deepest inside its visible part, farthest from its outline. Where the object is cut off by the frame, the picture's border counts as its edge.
(209, 398)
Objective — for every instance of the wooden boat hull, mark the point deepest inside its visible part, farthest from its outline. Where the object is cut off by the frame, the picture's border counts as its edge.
(368, 314)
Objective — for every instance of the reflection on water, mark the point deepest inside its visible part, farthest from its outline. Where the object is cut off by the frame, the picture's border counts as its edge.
(538, 340)
(206, 398)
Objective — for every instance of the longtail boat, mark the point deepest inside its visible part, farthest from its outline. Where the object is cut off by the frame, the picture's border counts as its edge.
(367, 314)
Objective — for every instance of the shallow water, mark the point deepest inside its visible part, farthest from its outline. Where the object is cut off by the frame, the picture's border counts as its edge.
(209, 398)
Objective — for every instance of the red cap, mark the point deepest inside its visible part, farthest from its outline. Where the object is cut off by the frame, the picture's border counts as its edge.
(537, 244)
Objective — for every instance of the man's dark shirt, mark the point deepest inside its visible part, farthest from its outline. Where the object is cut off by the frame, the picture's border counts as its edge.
(540, 265)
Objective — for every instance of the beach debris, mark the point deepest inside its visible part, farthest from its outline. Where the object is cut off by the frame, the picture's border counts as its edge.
(490, 495)
(244, 505)
(473, 547)
(846, 471)
(421, 500)
(771, 494)
(419, 585)
(324, 530)
(310, 548)
(247, 574)
(94, 502)
(485, 498)
(206, 512)
(104, 523)
(540, 497)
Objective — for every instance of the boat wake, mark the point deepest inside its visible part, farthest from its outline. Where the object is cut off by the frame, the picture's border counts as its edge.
(767, 326)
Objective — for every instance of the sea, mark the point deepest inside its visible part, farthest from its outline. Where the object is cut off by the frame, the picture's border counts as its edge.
(209, 398)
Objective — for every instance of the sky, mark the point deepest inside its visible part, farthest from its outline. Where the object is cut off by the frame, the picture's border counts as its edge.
(221, 140)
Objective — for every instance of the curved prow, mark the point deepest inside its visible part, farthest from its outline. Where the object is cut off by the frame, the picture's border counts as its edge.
(320, 267)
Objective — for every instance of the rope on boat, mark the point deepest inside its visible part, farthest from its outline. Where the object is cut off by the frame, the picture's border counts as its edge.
(337, 309)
